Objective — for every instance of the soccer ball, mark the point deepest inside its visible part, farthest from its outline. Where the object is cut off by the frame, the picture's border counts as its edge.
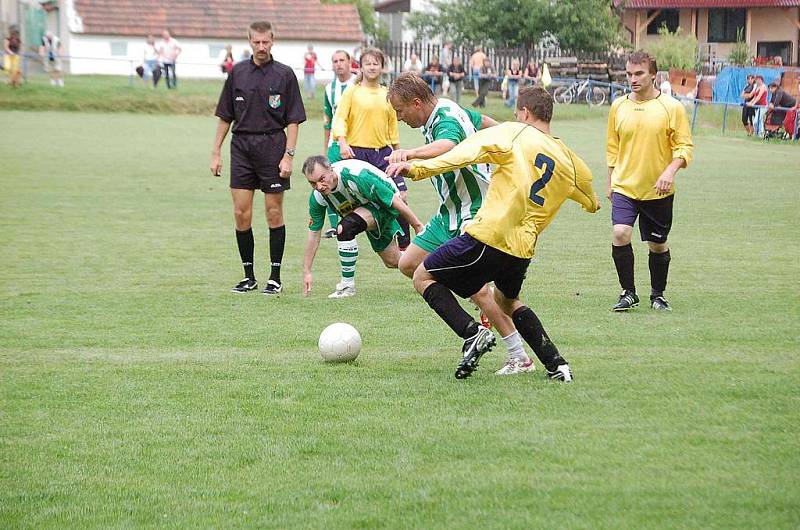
(339, 342)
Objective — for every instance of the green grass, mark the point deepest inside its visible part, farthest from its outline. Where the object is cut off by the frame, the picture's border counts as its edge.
(136, 391)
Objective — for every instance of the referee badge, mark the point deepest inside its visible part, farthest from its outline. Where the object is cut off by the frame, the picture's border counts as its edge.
(275, 100)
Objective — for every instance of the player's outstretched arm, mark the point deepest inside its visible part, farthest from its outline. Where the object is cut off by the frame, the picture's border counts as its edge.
(423, 152)
(487, 122)
(312, 244)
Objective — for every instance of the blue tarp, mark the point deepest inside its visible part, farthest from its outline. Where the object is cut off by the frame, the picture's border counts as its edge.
(732, 80)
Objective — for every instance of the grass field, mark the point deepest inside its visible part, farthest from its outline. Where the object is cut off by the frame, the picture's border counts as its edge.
(135, 390)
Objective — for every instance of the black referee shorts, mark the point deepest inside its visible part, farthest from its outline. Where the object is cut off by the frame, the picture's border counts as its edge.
(254, 162)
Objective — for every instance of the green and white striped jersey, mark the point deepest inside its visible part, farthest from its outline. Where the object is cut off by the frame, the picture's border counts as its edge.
(461, 192)
(360, 184)
(333, 93)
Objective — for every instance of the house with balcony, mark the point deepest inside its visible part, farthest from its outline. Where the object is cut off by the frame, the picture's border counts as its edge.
(770, 27)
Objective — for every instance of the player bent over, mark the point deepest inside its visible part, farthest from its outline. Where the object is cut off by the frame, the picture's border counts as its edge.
(535, 174)
(366, 200)
(444, 125)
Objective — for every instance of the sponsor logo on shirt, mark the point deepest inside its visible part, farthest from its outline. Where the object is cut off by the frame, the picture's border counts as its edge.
(274, 101)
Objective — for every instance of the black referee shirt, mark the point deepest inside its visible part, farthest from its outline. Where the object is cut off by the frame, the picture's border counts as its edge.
(261, 99)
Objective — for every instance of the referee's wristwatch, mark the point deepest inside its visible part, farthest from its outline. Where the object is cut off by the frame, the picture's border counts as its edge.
(290, 152)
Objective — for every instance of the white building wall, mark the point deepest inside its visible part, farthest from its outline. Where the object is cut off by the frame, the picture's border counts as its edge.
(91, 54)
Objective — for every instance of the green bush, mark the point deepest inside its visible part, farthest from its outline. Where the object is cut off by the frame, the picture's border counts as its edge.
(740, 54)
(675, 50)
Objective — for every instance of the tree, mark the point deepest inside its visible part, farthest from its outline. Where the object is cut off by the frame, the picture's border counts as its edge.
(369, 19)
(588, 25)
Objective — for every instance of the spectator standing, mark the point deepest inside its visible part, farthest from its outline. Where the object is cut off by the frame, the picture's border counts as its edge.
(413, 64)
(310, 63)
(759, 103)
(262, 99)
(50, 52)
(475, 64)
(12, 45)
(748, 112)
(227, 61)
(514, 76)
(168, 51)
(531, 75)
(648, 141)
(150, 62)
(455, 74)
(486, 75)
(434, 73)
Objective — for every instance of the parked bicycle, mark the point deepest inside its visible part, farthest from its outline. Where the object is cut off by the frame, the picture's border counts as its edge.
(595, 96)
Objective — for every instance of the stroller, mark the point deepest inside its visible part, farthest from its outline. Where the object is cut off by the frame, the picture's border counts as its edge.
(773, 126)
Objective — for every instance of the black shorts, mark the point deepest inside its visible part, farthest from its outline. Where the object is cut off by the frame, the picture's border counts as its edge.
(655, 216)
(748, 113)
(254, 162)
(464, 265)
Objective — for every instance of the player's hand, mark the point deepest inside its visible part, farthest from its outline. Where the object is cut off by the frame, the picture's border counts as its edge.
(664, 182)
(285, 167)
(418, 228)
(307, 281)
(597, 201)
(345, 151)
(608, 193)
(398, 168)
(398, 155)
(216, 165)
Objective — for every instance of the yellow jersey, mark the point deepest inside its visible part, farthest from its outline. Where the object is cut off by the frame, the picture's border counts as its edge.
(366, 118)
(535, 174)
(643, 138)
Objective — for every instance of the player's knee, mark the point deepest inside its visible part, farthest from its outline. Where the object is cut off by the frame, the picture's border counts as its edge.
(407, 264)
(422, 279)
(349, 227)
(622, 234)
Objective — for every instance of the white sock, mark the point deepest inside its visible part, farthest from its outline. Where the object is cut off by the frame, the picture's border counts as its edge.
(514, 346)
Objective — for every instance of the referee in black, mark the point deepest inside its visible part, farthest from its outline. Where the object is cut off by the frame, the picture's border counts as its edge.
(262, 99)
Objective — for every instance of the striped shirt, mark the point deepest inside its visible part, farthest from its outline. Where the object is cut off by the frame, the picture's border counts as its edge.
(460, 192)
(333, 92)
(360, 184)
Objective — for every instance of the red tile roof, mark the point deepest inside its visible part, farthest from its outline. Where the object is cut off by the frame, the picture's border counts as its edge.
(702, 4)
(306, 20)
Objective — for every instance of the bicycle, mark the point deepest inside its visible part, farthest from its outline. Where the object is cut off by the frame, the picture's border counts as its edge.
(595, 96)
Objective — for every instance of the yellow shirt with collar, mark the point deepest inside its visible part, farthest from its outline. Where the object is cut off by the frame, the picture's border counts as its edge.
(365, 118)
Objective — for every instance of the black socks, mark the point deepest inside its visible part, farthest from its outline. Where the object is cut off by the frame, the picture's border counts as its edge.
(277, 242)
(659, 269)
(447, 307)
(244, 240)
(623, 261)
(529, 326)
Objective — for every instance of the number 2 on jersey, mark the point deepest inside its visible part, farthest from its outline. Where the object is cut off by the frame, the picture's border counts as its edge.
(546, 164)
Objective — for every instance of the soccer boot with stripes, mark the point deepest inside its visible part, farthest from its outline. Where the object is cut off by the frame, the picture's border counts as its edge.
(627, 300)
(561, 373)
(659, 303)
(244, 286)
(474, 347)
(273, 287)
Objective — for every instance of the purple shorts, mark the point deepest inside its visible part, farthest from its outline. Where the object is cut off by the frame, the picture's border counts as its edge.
(377, 157)
(655, 216)
(464, 265)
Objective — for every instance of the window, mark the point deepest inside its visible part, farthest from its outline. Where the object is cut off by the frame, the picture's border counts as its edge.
(724, 23)
(667, 17)
(215, 50)
(119, 49)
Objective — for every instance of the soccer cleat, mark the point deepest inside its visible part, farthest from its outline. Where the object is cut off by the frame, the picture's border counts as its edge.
(330, 233)
(475, 346)
(561, 373)
(248, 284)
(272, 287)
(659, 303)
(343, 290)
(516, 366)
(627, 300)
(485, 322)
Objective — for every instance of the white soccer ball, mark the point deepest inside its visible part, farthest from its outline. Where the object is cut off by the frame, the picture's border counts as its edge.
(339, 342)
